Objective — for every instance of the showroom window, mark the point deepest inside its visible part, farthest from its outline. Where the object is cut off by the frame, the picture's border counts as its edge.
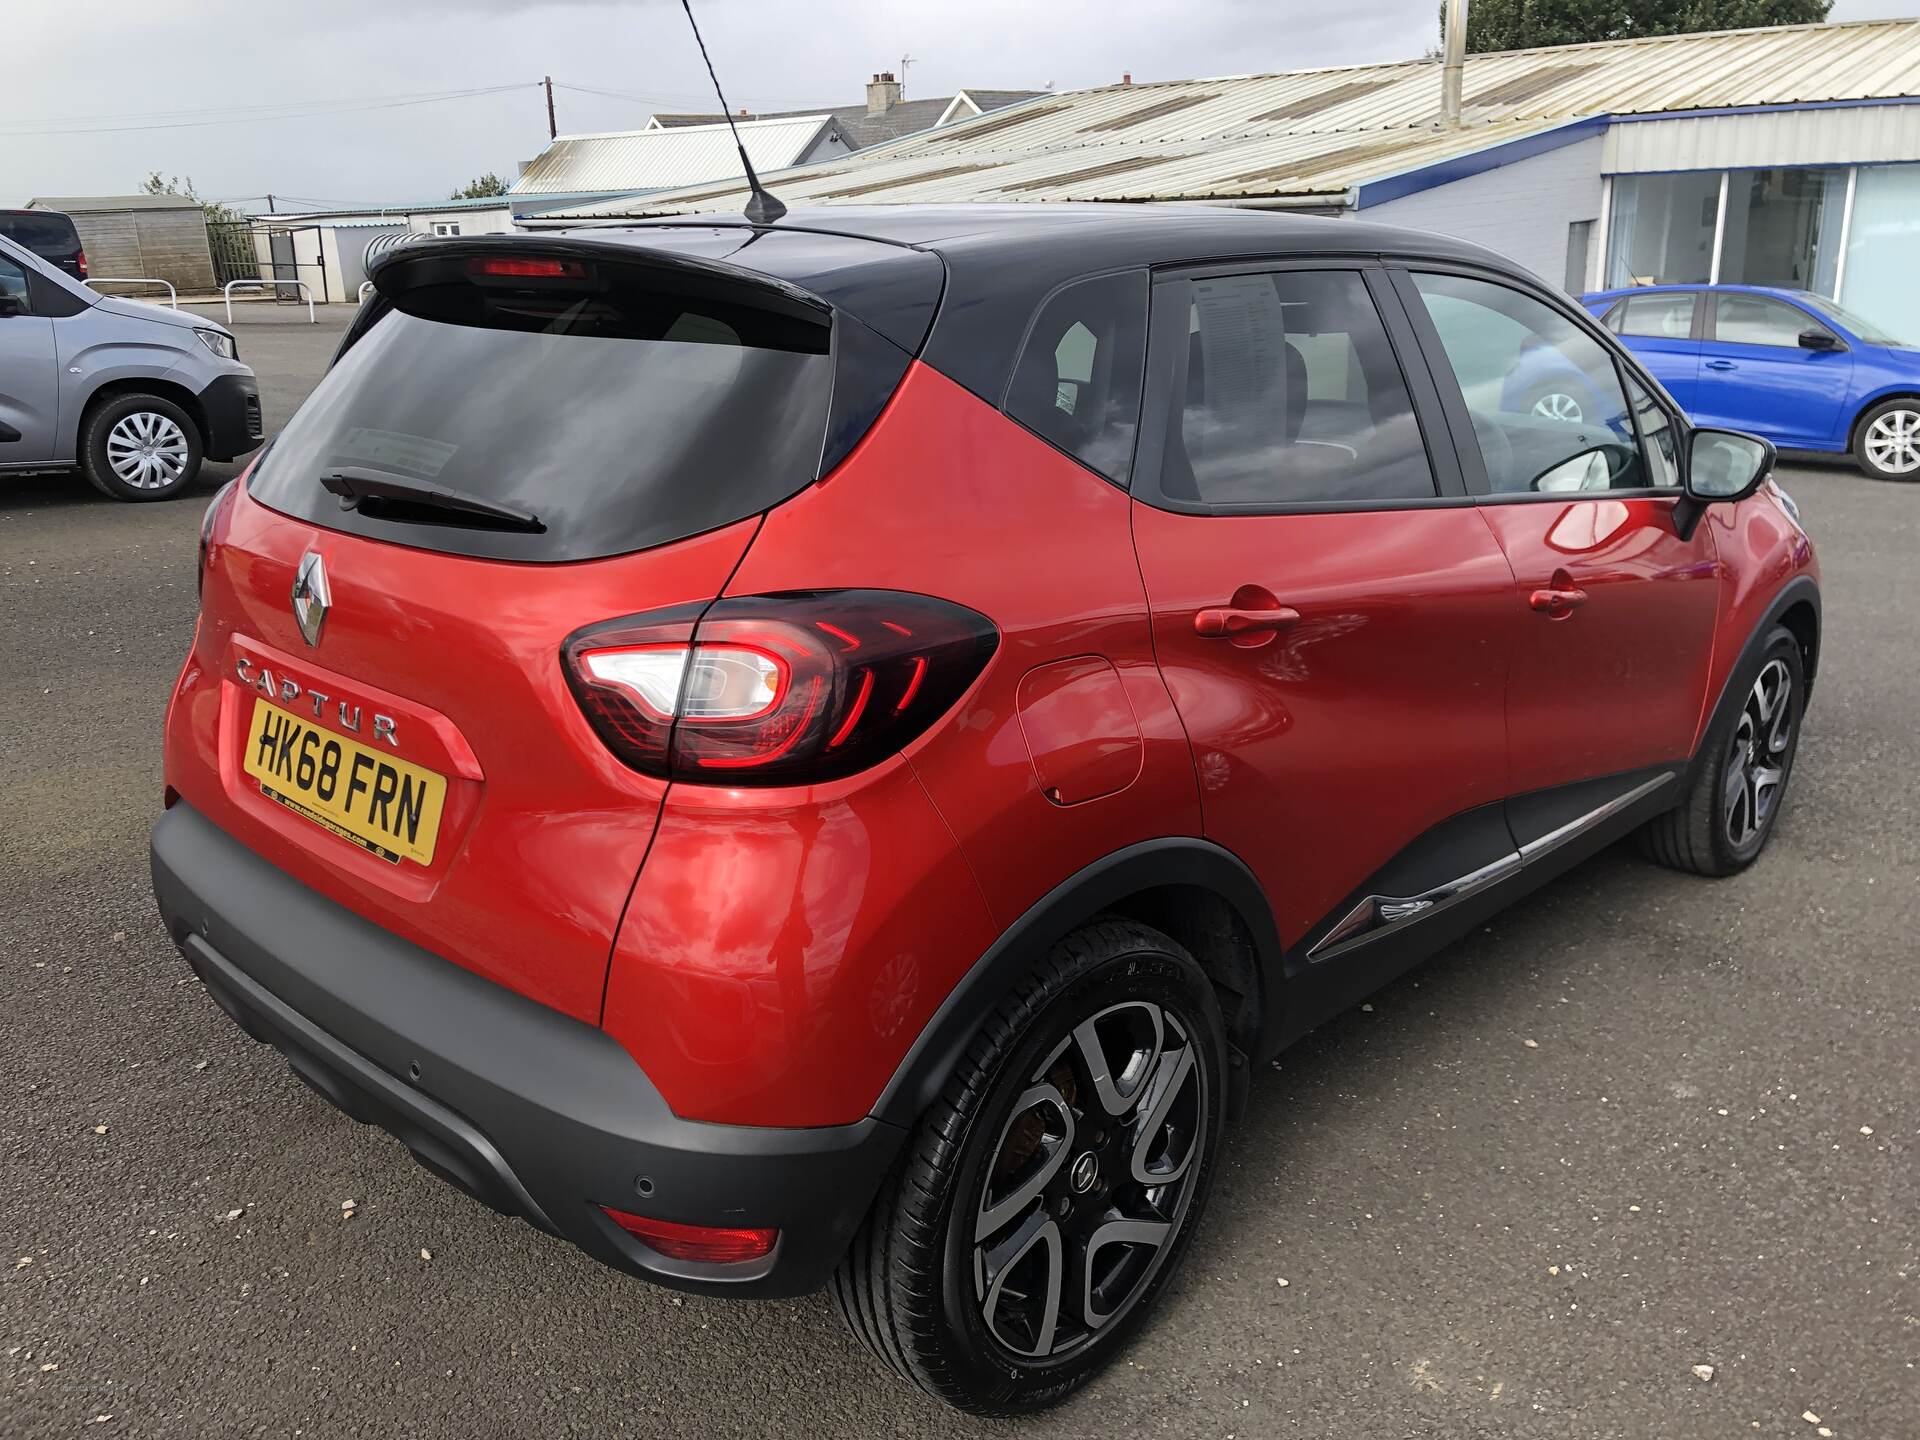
(1783, 228)
(1662, 229)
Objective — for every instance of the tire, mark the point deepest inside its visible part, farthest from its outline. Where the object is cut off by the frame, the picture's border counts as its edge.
(140, 447)
(915, 1287)
(1886, 442)
(1730, 808)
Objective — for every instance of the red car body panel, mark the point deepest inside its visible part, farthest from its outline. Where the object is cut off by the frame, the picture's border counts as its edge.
(1060, 584)
(1762, 550)
(1302, 744)
(1617, 684)
(544, 830)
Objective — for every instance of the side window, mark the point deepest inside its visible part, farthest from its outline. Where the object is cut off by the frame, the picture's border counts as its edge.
(1657, 441)
(1292, 395)
(1077, 382)
(446, 227)
(1663, 317)
(1544, 396)
(13, 283)
(1754, 320)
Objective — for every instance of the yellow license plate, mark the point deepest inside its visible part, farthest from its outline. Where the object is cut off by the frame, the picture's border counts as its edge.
(381, 804)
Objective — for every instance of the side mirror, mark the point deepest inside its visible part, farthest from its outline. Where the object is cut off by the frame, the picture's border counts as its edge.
(11, 305)
(1722, 465)
(1818, 340)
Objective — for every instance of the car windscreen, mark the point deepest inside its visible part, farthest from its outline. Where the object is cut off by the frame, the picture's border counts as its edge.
(617, 408)
(44, 234)
(1866, 329)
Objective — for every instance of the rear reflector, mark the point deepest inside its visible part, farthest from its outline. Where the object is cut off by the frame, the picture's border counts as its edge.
(713, 1244)
(529, 266)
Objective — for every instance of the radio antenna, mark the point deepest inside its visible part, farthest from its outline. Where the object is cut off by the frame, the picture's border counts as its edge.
(762, 207)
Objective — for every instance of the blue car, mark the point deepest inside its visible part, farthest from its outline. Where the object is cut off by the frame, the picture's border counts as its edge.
(1785, 364)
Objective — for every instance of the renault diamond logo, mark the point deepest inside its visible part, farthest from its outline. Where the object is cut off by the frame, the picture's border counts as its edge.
(311, 597)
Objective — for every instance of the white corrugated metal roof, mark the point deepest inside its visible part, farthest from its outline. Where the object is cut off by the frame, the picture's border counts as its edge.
(1314, 134)
(651, 159)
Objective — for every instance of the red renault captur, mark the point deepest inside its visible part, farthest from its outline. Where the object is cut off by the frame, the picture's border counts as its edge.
(824, 751)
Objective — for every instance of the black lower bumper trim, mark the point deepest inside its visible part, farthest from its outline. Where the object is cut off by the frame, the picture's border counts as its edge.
(532, 1112)
(231, 407)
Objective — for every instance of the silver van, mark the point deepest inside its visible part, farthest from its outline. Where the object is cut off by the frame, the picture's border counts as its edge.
(136, 395)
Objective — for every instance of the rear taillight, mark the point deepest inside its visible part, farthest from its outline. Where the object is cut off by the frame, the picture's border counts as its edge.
(776, 689)
(80, 257)
(221, 499)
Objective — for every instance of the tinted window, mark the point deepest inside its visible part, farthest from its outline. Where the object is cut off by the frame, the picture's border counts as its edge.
(1753, 320)
(1291, 394)
(1077, 382)
(1663, 317)
(1544, 396)
(13, 281)
(619, 411)
(46, 233)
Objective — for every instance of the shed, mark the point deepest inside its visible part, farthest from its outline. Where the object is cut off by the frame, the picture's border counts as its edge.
(140, 237)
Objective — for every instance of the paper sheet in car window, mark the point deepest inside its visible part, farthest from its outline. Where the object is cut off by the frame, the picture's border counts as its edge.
(1243, 339)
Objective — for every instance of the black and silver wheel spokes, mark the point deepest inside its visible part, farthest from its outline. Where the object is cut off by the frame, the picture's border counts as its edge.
(1757, 758)
(1089, 1179)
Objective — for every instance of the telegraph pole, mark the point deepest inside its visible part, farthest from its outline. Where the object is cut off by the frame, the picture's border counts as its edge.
(553, 130)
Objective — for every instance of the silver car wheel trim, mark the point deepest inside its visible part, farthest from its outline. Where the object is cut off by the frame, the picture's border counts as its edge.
(1757, 758)
(1558, 405)
(1893, 441)
(147, 450)
(1087, 1184)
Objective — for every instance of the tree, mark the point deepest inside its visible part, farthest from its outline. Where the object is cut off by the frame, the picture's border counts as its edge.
(1525, 24)
(487, 184)
(216, 213)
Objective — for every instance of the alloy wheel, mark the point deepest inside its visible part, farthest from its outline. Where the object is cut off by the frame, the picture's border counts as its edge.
(1090, 1178)
(1893, 442)
(1558, 405)
(1757, 759)
(147, 450)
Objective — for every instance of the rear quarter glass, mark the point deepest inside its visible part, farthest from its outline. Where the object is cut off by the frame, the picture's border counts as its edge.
(621, 406)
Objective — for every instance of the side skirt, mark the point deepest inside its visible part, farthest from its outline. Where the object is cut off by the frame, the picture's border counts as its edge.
(1378, 936)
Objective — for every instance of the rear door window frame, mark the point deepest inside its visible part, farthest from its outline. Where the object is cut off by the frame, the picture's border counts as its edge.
(1400, 269)
(1168, 327)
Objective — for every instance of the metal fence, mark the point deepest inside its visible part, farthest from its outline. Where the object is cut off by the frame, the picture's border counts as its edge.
(234, 257)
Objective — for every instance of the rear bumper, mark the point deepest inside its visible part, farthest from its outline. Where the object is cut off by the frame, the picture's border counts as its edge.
(231, 405)
(529, 1110)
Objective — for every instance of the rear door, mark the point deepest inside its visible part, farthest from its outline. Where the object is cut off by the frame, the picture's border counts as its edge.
(1756, 375)
(1329, 610)
(515, 446)
(1616, 610)
(29, 372)
(1662, 329)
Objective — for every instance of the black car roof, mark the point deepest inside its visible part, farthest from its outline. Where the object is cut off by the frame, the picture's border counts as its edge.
(1000, 261)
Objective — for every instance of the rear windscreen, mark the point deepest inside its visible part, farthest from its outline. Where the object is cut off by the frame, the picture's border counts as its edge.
(51, 235)
(605, 401)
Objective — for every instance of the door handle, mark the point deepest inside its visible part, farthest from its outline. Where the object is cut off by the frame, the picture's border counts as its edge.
(1558, 603)
(1226, 622)
(1721, 365)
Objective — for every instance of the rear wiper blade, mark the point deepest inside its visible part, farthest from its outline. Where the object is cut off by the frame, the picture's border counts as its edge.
(354, 485)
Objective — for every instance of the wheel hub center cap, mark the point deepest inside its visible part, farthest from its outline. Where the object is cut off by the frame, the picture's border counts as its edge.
(1085, 1172)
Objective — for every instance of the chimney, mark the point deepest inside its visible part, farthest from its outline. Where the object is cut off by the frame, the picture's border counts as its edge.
(883, 93)
(1126, 77)
(1453, 65)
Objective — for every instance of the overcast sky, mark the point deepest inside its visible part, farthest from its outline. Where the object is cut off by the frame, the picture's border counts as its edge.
(185, 86)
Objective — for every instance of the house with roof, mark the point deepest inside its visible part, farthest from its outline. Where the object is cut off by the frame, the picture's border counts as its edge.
(1783, 156)
(678, 150)
(887, 115)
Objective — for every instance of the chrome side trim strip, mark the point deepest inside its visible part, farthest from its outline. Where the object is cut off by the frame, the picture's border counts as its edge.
(1375, 915)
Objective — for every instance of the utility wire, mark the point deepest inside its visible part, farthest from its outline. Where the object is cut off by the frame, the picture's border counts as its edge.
(283, 114)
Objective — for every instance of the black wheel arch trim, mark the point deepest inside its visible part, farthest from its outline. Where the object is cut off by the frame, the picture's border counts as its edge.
(1108, 881)
(1802, 589)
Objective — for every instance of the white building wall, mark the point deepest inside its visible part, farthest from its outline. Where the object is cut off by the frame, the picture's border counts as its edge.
(1848, 135)
(1522, 210)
